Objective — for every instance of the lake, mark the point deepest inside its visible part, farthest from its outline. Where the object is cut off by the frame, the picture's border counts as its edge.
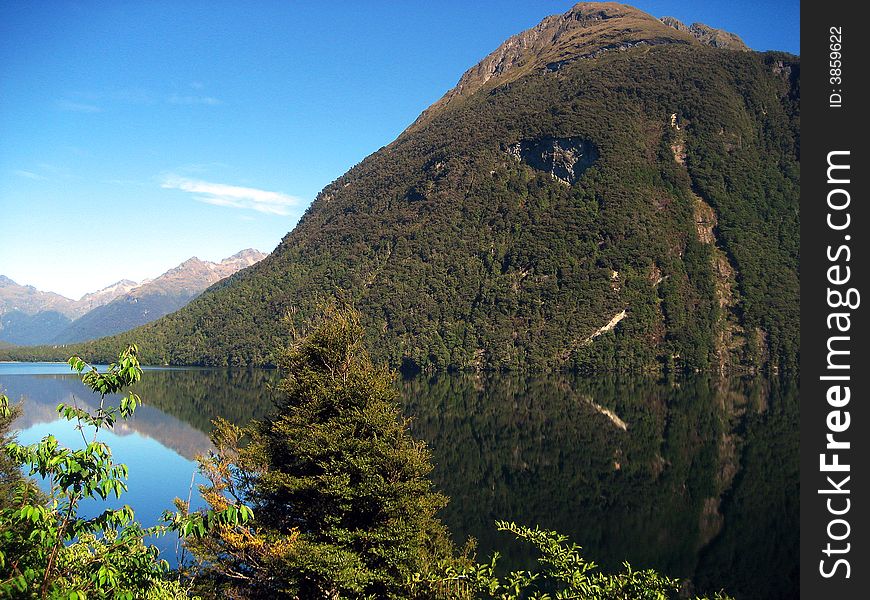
(696, 477)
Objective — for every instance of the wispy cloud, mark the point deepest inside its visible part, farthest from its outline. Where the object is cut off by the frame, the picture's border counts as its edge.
(233, 196)
(79, 107)
(28, 175)
(95, 101)
(194, 100)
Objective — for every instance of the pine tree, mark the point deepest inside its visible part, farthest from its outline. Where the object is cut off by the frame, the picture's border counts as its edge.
(342, 503)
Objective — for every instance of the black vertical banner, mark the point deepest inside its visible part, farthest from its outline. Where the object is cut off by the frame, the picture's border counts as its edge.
(835, 370)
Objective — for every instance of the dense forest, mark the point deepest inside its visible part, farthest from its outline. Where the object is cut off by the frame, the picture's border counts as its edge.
(677, 203)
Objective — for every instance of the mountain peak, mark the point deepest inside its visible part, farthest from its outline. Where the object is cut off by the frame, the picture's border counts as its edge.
(194, 275)
(597, 11)
(117, 285)
(92, 300)
(585, 31)
(710, 36)
(248, 256)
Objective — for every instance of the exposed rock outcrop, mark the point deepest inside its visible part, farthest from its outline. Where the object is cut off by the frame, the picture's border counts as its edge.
(718, 38)
(565, 159)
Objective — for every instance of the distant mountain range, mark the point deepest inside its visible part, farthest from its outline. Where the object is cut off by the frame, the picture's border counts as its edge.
(29, 300)
(29, 316)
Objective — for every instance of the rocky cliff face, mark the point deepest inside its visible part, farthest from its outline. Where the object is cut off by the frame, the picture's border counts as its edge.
(564, 159)
(718, 38)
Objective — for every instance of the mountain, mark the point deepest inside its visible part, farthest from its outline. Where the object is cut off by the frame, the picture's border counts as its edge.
(603, 191)
(30, 316)
(707, 35)
(194, 275)
(28, 300)
(155, 298)
(19, 328)
(93, 300)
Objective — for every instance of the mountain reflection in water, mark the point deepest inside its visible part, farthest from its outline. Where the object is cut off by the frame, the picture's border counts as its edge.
(696, 477)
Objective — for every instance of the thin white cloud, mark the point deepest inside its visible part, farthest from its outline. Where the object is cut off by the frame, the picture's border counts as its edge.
(79, 107)
(233, 196)
(28, 175)
(194, 100)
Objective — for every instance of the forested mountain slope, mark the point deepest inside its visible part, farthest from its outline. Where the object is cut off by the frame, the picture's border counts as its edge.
(610, 193)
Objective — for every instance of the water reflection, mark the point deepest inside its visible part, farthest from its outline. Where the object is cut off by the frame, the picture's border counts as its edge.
(42, 393)
(158, 444)
(701, 483)
(698, 478)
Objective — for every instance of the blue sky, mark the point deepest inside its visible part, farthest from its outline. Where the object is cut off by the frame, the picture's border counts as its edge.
(134, 135)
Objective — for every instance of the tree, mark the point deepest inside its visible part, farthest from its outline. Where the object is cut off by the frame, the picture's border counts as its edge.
(10, 471)
(339, 487)
(46, 549)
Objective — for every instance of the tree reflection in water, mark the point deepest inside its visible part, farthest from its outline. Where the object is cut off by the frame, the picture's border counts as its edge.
(696, 477)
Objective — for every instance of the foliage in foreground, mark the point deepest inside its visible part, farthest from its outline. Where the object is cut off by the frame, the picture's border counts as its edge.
(564, 573)
(47, 550)
(10, 471)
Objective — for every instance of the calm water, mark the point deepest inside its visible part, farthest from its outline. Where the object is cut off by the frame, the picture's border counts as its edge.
(698, 478)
